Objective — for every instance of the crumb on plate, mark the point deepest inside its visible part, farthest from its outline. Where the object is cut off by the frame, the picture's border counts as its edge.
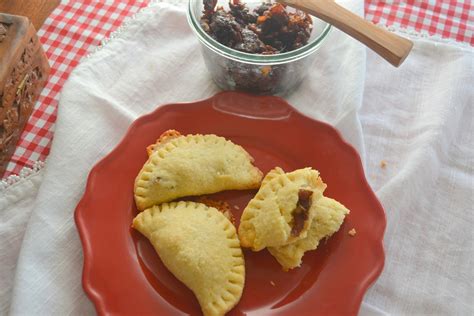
(383, 164)
(352, 232)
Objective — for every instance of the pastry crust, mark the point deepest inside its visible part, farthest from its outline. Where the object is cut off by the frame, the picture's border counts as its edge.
(328, 219)
(188, 165)
(269, 218)
(199, 245)
(163, 139)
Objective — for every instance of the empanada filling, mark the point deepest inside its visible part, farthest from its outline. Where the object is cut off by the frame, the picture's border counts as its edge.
(300, 213)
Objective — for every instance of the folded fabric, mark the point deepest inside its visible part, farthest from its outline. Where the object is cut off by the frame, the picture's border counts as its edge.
(16, 205)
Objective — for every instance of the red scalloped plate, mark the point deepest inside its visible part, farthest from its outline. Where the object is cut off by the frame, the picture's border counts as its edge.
(122, 273)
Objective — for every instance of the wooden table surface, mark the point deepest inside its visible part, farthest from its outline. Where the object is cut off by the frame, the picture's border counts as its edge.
(36, 10)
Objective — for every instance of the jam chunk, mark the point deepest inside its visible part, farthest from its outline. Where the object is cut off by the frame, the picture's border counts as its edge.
(300, 214)
(225, 29)
(241, 13)
(250, 42)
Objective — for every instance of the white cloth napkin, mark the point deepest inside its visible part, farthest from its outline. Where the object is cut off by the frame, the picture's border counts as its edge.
(417, 118)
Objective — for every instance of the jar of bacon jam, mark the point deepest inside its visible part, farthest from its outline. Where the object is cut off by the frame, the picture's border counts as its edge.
(256, 46)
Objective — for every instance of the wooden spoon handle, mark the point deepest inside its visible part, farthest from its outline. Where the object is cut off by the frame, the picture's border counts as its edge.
(390, 46)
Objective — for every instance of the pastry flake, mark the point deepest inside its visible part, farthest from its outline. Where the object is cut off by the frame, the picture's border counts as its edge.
(328, 218)
(352, 232)
(188, 165)
(199, 245)
(282, 210)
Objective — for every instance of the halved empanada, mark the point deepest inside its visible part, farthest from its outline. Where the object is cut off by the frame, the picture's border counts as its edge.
(282, 210)
(199, 245)
(328, 218)
(180, 166)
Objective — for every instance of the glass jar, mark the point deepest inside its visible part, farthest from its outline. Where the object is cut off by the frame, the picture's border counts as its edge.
(257, 73)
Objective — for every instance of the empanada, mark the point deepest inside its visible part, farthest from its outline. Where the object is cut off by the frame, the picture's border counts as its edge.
(181, 166)
(282, 210)
(199, 245)
(328, 218)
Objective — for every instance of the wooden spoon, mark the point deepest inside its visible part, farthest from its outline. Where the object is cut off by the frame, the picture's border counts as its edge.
(391, 47)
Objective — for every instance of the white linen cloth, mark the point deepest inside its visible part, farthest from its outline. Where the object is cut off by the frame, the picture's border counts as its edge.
(417, 118)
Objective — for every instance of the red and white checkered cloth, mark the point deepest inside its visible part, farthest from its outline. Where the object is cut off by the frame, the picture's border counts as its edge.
(451, 19)
(76, 27)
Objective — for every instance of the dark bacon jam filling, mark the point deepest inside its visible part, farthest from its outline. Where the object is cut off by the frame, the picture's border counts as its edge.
(268, 29)
(300, 213)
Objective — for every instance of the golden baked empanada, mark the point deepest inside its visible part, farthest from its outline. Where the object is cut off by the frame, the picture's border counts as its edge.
(282, 210)
(181, 166)
(328, 218)
(199, 245)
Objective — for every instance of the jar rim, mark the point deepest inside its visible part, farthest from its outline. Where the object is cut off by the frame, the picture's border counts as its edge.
(257, 59)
